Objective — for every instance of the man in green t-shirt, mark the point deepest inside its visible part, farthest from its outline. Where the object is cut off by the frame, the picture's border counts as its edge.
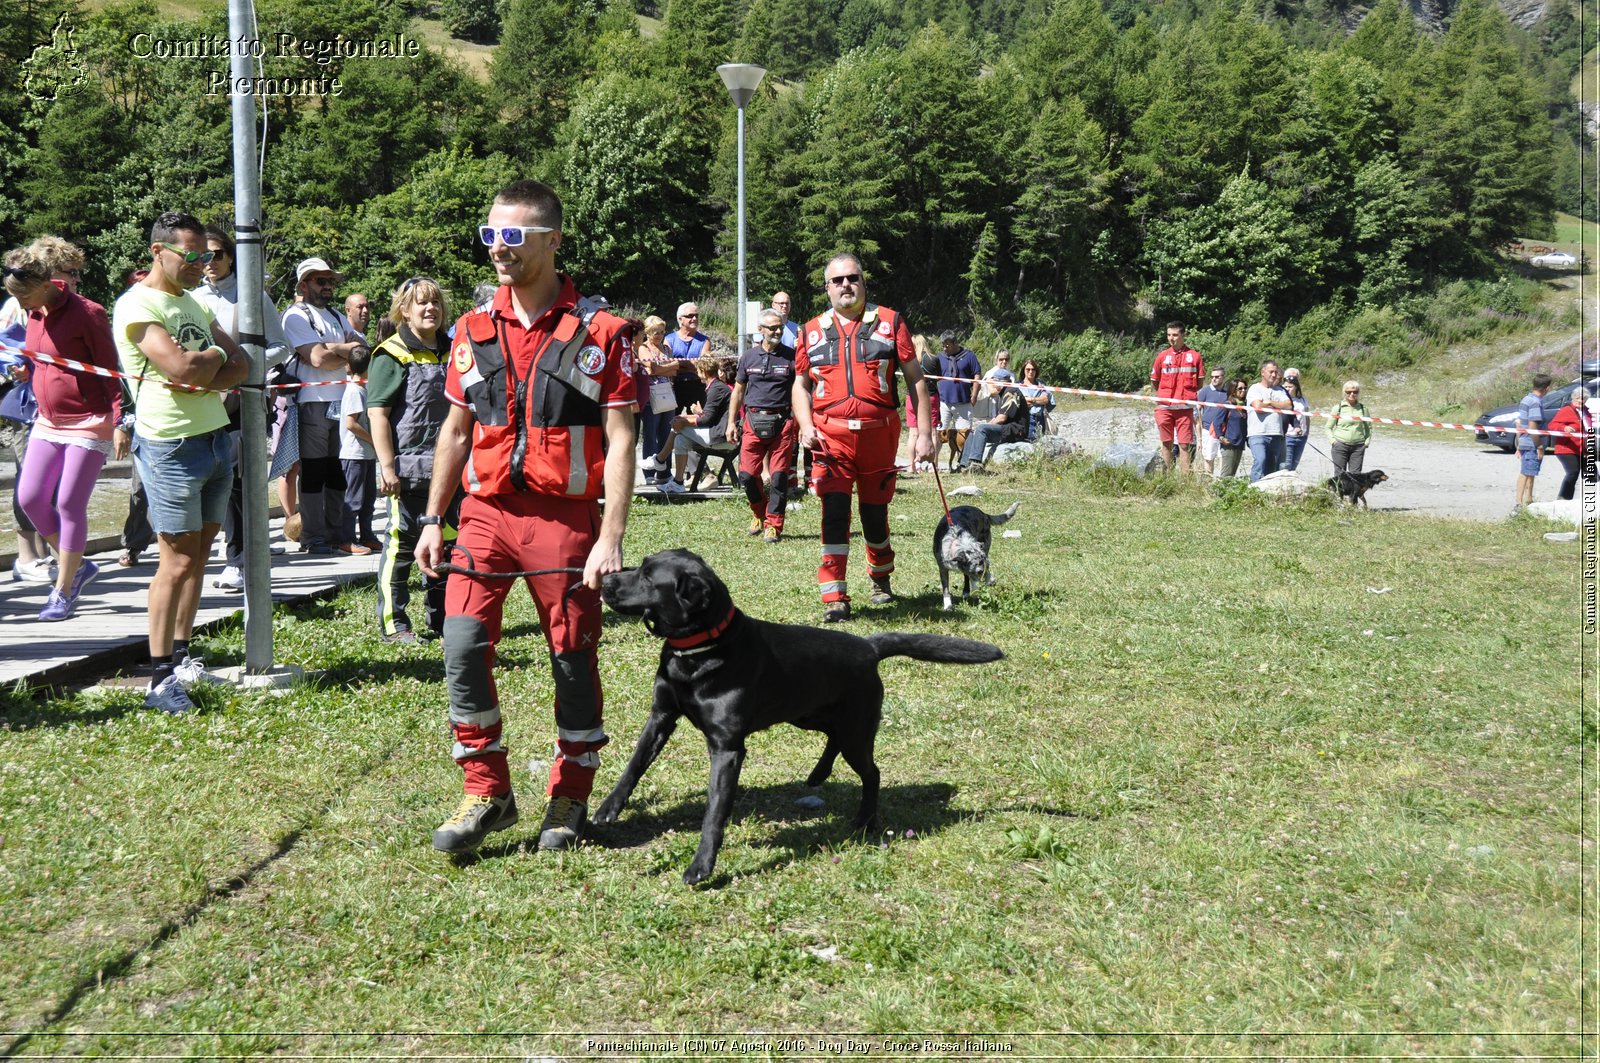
(171, 344)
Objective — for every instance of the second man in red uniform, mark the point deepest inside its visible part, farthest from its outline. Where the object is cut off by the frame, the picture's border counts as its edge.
(847, 407)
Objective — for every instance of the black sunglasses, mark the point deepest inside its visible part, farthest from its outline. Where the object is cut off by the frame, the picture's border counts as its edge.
(848, 278)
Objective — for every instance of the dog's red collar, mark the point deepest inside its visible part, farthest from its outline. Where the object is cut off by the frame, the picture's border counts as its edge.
(691, 641)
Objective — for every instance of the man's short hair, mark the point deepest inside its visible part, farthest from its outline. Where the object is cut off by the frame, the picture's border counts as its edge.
(537, 197)
(1269, 361)
(173, 222)
(1541, 380)
(768, 314)
(840, 257)
(1179, 325)
(221, 236)
(949, 336)
(688, 308)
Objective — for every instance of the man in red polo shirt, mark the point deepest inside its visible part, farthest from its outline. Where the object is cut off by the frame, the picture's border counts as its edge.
(1176, 374)
(845, 404)
(540, 428)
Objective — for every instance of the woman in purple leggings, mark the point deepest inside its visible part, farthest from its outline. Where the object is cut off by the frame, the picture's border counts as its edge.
(72, 435)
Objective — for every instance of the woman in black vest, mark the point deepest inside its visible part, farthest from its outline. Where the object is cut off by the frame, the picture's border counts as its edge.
(406, 407)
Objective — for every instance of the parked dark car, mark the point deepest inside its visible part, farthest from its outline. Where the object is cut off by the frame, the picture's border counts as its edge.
(1498, 427)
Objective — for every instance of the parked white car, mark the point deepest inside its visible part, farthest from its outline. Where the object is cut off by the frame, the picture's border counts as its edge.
(1555, 258)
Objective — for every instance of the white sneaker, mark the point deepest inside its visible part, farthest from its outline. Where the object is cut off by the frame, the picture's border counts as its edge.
(230, 579)
(41, 570)
(193, 670)
(169, 697)
(671, 487)
(649, 465)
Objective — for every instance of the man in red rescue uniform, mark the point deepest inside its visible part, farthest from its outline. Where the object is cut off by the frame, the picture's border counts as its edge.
(1176, 374)
(845, 403)
(540, 428)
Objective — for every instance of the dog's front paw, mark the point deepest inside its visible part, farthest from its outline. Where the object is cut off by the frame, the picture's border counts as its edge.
(697, 874)
(607, 813)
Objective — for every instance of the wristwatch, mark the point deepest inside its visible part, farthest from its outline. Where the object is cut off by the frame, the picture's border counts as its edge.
(430, 522)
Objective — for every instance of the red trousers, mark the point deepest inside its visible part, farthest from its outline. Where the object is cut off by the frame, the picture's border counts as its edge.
(777, 453)
(862, 459)
(517, 533)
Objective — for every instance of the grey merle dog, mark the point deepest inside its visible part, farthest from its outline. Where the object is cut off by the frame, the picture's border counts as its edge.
(961, 544)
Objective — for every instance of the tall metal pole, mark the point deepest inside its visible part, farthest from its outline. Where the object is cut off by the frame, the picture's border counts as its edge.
(252, 337)
(744, 334)
(741, 80)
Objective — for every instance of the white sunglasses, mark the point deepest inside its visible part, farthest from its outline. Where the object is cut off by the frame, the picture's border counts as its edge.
(510, 235)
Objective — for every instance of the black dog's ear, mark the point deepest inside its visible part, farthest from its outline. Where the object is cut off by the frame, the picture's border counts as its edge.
(695, 594)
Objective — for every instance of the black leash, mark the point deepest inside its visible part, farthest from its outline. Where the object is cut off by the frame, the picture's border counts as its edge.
(470, 569)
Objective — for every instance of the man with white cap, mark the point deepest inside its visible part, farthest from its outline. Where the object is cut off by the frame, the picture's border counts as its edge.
(323, 341)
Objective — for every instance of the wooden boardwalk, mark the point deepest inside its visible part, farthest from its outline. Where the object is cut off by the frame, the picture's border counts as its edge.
(107, 633)
(108, 630)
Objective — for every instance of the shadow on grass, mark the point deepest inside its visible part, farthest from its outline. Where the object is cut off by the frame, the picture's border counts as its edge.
(929, 605)
(23, 713)
(920, 808)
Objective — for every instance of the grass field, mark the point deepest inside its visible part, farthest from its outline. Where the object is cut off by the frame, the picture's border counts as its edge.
(1573, 234)
(1252, 780)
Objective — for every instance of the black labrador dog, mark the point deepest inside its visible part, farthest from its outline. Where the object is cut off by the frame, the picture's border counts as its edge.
(731, 675)
(961, 542)
(1352, 487)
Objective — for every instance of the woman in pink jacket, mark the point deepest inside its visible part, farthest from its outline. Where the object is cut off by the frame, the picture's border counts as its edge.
(72, 435)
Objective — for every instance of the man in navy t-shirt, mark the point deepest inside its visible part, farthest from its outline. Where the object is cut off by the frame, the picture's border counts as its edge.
(1211, 421)
(956, 396)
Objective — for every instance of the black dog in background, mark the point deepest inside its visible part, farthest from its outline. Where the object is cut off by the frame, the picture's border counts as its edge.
(1352, 487)
(732, 676)
(962, 543)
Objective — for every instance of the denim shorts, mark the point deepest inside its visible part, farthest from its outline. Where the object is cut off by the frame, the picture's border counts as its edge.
(1531, 460)
(186, 480)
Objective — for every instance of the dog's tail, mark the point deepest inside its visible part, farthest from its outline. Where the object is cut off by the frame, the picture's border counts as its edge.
(1001, 518)
(939, 648)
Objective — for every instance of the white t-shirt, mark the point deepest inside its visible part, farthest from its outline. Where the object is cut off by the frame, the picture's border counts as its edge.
(306, 324)
(1265, 424)
(352, 448)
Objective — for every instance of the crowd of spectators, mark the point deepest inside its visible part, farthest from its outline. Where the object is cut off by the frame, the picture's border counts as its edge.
(359, 405)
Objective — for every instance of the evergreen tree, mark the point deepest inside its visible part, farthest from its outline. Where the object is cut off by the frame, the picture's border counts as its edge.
(473, 20)
(1240, 249)
(1062, 211)
(428, 227)
(1387, 224)
(1478, 142)
(636, 227)
(365, 140)
(69, 179)
(537, 70)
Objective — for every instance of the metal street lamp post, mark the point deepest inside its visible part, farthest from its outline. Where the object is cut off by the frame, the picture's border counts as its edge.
(741, 80)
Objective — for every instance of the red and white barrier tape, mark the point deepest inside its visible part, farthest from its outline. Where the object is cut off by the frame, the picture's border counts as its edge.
(1195, 403)
(94, 370)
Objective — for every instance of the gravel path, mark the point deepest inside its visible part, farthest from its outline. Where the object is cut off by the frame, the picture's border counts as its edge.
(1433, 471)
